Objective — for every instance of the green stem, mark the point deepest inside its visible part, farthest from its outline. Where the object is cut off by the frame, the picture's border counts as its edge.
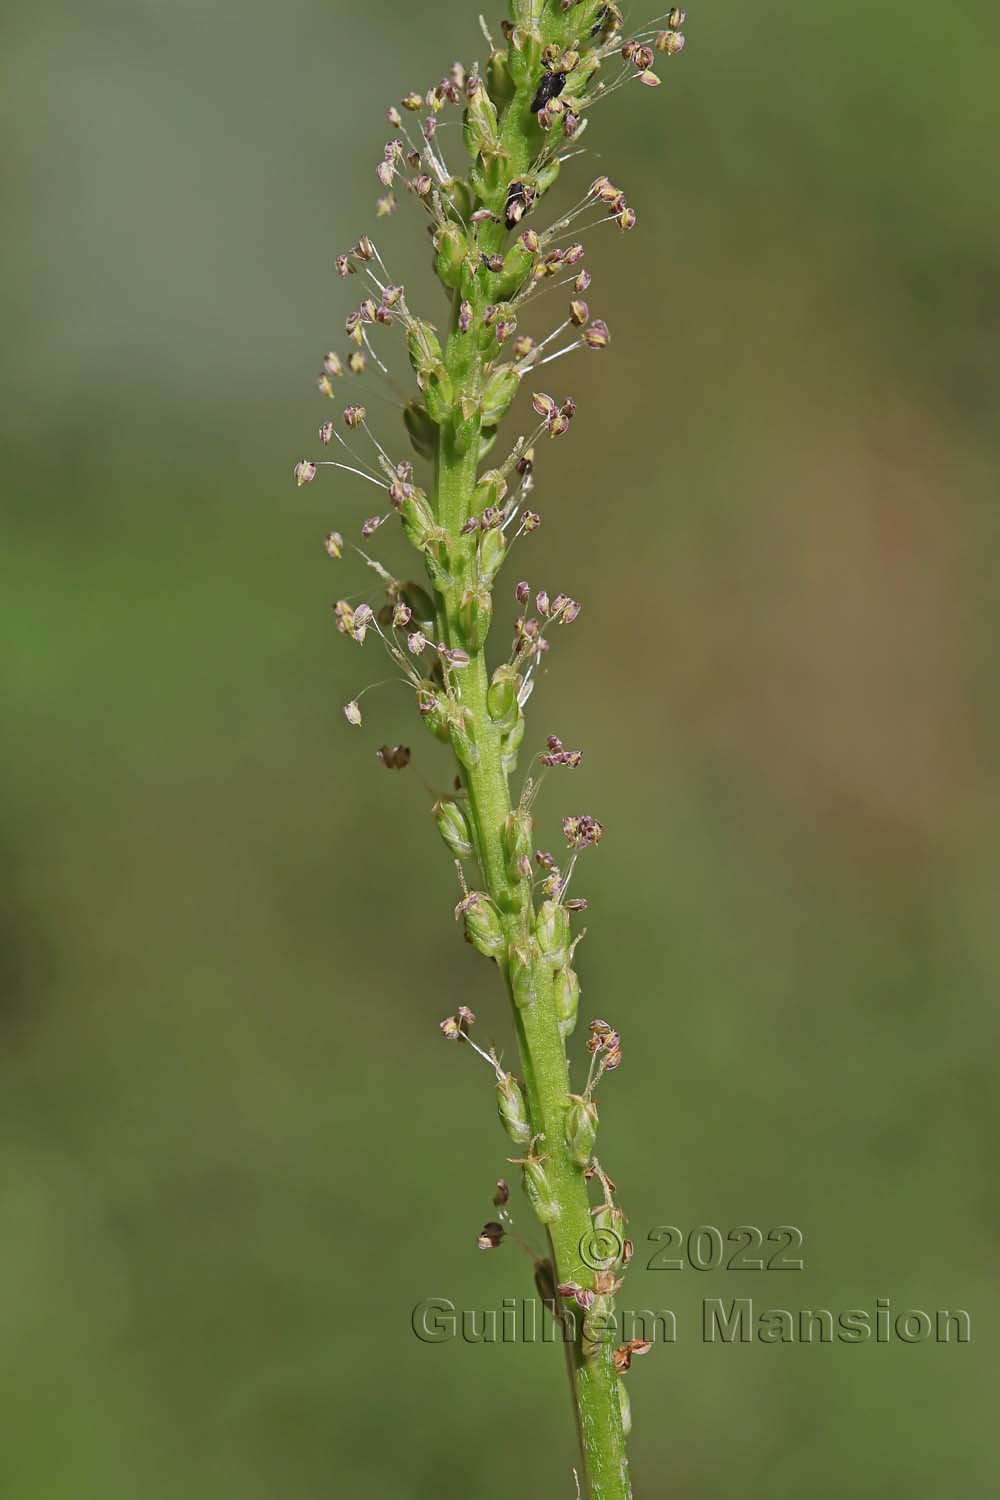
(594, 1379)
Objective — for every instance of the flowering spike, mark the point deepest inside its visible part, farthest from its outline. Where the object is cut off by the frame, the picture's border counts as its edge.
(494, 249)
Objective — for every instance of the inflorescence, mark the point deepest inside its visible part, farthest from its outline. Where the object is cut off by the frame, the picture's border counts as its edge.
(524, 116)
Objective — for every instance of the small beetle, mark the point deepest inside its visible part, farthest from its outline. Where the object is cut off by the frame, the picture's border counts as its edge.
(551, 87)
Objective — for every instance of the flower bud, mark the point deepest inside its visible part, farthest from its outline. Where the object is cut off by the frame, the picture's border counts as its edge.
(581, 1129)
(498, 77)
(482, 135)
(501, 695)
(423, 432)
(459, 729)
(418, 519)
(566, 991)
(518, 264)
(423, 346)
(482, 923)
(523, 959)
(475, 610)
(452, 248)
(512, 1110)
(439, 393)
(492, 551)
(518, 843)
(453, 826)
(552, 932)
(433, 711)
(499, 392)
(538, 1191)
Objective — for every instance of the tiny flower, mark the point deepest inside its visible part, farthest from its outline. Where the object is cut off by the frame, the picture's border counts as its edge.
(542, 605)
(354, 415)
(385, 172)
(579, 313)
(649, 78)
(334, 544)
(343, 266)
(332, 364)
(413, 102)
(356, 362)
(393, 116)
(544, 405)
(453, 1028)
(363, 617)
(670, 42)
(352, 712)
(582, 282)
(401, 615)
(364, 249)
(416, 642)
(372, 525)
(522, 592)
(325, 432)
(530, 520)
(597, 336)
(627, 219)
(582, 831)
(465, 317)
(305, 472)
(324, 387)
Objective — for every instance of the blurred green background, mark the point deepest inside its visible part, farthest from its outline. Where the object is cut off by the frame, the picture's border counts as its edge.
(234, 1151)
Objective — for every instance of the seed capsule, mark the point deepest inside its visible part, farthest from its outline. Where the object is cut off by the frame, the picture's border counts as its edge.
(512, 1110)
(566, 990)
(501, 695)
(498, 77)
(418, 519)
(538, 1191)
(492, 551)
(439, 393)
(581, 1129)
(433, 711)
(475, 611)
(523, 960)
(499, 392)
(453, 826)
(423, 346)
(452, 248)
(482, 923)
(553, 934)
(482, 136)
(460, 727)
(517, 841)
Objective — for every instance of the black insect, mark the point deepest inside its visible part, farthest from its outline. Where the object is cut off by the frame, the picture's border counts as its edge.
(602, 16)
(519, 199)
(551, 87)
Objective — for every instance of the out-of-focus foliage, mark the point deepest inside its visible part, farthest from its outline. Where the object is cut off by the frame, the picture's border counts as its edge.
(234, 1150)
